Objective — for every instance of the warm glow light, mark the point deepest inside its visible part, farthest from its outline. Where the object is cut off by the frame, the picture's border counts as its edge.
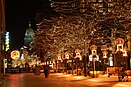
(93, 47)
(119, 47)
(67, 55)
(120, 85)
(125, 53)
(78, 54)
(15, 54)
(67, 31)
(91, 58)
(105, 54)
(22, 56)
(7, 40)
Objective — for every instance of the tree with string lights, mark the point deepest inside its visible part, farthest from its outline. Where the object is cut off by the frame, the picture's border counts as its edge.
(66, 33)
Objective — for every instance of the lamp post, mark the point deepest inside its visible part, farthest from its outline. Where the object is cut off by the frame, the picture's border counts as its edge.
(119, 42)
(58, 61)
(85, 59)
(66, 58)
(94, 57)
(125, 57)
(122, 53)
(105, 57)
(78, 58)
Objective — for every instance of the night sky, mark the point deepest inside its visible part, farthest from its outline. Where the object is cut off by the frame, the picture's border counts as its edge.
(18, 14)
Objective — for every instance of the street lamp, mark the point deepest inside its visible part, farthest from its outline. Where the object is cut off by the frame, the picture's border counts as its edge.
(105, 55)
(78, 57)
(94, 57)
(119, 42)
(58, 61)
(125, 57)
(122, 53)
(67, 57)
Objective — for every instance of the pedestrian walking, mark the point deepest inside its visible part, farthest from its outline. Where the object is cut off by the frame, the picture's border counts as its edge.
(46, 70)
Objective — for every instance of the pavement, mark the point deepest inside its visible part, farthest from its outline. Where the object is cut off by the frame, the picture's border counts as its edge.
(75, 77)
(100, 80)
(67, 76)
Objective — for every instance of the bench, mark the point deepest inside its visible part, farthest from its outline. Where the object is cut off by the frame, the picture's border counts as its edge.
(15, 70)
(113, 70)
(128, 72)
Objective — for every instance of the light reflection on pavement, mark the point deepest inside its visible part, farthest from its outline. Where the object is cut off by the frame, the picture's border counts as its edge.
(60, 80)
(31, 80)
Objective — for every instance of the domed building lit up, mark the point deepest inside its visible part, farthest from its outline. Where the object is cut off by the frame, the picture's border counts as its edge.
(29, 36)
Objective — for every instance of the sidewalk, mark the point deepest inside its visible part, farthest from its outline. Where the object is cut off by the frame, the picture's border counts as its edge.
(102, 80)
(3, 81)
(1, 76)
(67, 76)
(71, 77)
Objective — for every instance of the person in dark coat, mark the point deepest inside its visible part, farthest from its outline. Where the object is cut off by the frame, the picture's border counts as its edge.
(46, 70)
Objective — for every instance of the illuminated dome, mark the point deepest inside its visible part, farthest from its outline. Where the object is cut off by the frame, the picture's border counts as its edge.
(29, 36)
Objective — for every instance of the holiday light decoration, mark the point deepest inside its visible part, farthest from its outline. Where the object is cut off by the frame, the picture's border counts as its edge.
(63, 35)
(99, 24)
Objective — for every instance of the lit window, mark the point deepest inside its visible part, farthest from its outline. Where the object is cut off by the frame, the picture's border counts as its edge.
(110, 4)
(82, 0)
(91, 0)
(109, 10)
(100, 5)
(100, 0)
(101, 10)
(110, 0)
(82, 10)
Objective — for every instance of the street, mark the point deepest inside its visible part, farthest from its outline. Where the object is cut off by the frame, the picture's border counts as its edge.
(60, 80)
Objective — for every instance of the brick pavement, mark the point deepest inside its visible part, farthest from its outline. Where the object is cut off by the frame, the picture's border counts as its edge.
(81, 79)
(101, 80)
(75, 77)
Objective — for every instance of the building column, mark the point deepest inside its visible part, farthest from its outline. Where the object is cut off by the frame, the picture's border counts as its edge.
(129, 50)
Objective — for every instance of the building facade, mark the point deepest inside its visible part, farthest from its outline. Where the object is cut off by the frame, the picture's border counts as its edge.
(2, 31)
(83, 6)
(65, 6)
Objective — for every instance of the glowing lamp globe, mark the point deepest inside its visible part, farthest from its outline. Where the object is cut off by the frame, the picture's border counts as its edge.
(15, 54)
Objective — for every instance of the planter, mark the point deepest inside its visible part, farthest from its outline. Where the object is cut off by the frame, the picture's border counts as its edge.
(37, 70)
(94, 74)
(128, 72)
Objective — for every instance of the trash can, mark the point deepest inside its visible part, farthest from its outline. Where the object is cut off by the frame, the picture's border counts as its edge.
(37, 70)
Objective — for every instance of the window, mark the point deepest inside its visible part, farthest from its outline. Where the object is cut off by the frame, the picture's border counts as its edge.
(101, 10)
(82, 0)
(110, 4)
(91, 0)
(109, 9)
(82, 10)
(100, 0)
(110, 0)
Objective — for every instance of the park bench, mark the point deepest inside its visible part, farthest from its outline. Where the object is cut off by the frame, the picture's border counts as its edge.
(113, 70)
